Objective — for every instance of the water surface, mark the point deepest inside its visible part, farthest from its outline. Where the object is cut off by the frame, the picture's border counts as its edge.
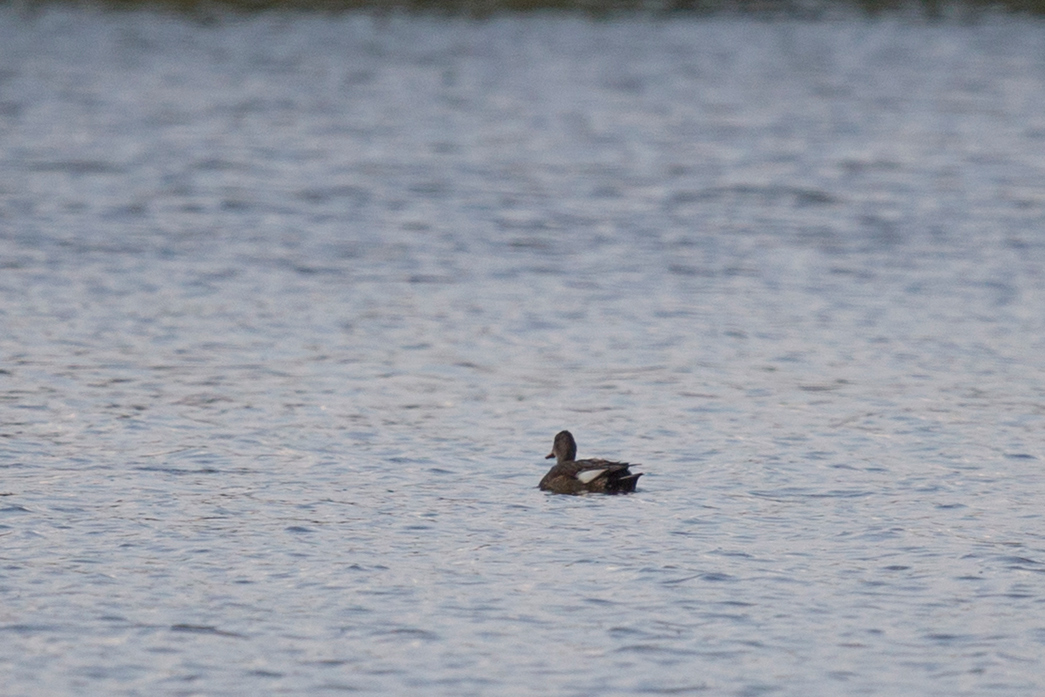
(293, 305)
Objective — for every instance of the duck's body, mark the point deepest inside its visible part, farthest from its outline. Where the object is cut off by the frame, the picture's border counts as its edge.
(572, 476)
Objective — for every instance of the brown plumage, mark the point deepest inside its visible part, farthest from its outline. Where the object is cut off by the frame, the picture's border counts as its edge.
(573, 476)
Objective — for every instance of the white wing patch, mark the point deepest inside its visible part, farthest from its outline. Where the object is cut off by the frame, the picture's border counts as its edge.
(589, 475)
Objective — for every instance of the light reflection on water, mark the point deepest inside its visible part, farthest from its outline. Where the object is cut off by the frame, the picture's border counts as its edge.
(293, 307)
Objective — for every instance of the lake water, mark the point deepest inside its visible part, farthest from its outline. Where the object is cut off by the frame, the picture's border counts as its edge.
(291, 307)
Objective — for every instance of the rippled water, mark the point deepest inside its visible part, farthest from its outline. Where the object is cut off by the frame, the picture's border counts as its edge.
(292, 306)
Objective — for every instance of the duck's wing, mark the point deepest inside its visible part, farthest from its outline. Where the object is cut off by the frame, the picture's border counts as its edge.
(587, 471)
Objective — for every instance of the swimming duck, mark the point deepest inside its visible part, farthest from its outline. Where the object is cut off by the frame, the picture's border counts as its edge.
(573, 476)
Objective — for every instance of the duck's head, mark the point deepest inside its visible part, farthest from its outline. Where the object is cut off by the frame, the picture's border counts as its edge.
(564, 449)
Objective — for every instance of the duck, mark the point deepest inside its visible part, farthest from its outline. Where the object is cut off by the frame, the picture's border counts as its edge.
(572, 476)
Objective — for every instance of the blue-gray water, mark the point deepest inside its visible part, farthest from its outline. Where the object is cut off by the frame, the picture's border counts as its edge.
(292, 306)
